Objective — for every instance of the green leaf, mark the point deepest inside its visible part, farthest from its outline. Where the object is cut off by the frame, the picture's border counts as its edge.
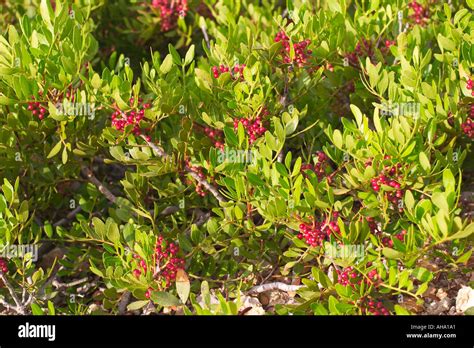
(445, 43)
(113, 233)
(55, 150)
(36, 310)
(3, 203)
(439, 199)
(164, 299)
(391, 253)
(183, 286)
(175, 54)
(96, 82)
(44, 11)
(421, 289)
(51, 308)
(137, 305)
(463, 233)
(422, 274)
(448, 180)
(465, 257)
(409, 149)
(184, 242)
(319, 309)
(117, 153)
(167, 64)
(400, 310)
(271, 141)
(392, 276)
(189, 55)
(332, 305)
(470, 310)
(424, 161)
(48, 229)
(96, 271)
(281, 169)
(99, 226)
(255, 179)
(64, 156)
(7, 101)
(337, 138)
(8, 191)
(357, 114)
(203, 79)
(409, 200)
(296, 167)
(291, 126)
(241, 133)
(37, 275)
(230, 136)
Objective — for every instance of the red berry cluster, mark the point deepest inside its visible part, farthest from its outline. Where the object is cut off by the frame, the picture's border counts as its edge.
(373, 225)
(363, 49)
(37, 109)
(165, 263)
(366, 48)
(237, 71)
(3, 265)
(170, 10)
(373, 307)
(373, 276)
(321, 166)
(470, 86)
(316, 233)
(349, 276)
(254, 128)
(387, 178)
(389, 43)
(165, 258)
(302, 53)
(385, 46)
(216, 136)
(401, 235)
(468, 126)
(40, 110)
(420, 14)
(199, 171)
(121, 119)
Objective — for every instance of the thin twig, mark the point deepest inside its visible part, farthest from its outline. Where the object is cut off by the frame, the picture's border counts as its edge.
(187, 169)
(68, 217)
(9, 306)
(124, 301)
(205, 184)
(104, 190)
(19, 305)
(274, 286)
(202, 218)
(170, 210)
(206, 37)
(155, 148)
(59, 285)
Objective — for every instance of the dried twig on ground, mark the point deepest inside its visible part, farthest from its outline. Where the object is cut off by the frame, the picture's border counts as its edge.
(274, 286)
(20, 307)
